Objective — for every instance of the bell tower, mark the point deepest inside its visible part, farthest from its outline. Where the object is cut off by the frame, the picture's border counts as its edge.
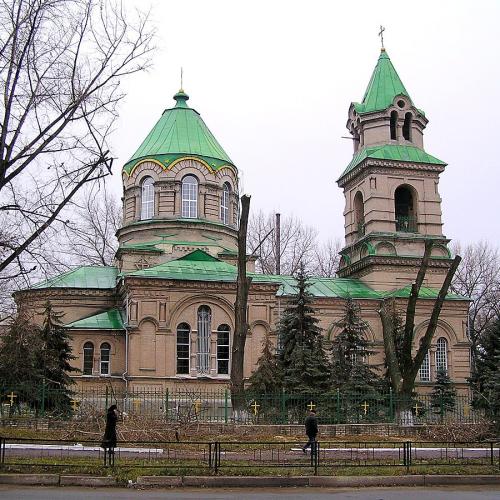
(392, 202)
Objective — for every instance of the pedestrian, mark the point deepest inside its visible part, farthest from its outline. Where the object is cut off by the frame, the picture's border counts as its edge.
(109, 438)
(311, 424)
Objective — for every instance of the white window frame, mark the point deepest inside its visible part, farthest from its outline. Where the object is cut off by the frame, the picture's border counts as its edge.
(106, 372)
(189, 197)
(442, 354)
(424, 373)
(226, 329)
(91, 358)
(185, 328)
(225, 203)
(147, 198)
(204, 320)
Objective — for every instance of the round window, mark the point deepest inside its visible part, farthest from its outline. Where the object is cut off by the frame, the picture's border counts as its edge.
(401, 103)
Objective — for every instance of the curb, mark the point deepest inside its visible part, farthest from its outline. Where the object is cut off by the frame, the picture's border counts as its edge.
(253, 481)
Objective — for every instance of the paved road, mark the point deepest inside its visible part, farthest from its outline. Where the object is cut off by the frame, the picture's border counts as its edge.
(431, 493)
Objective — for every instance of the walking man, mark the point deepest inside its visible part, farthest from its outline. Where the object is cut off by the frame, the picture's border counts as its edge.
(311, 424)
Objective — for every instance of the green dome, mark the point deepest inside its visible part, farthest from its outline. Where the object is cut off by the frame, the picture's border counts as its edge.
(180, 132)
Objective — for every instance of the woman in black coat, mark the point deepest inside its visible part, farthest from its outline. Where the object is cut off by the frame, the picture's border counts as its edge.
(109, 438)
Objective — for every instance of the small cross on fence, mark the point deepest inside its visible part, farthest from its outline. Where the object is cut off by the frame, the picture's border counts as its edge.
(197, 406)
(365, 407)
(255, 407)
(416, 408)
(75, 404)
(311, 406)
(11, 396)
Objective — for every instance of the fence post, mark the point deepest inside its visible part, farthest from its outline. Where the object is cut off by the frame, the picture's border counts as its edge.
(2, 450)
(166, 403)
(283, 406)
(42, 409)
(316, 457)
(441, 408)
(338, 406)
(391, 405)
(225, 406)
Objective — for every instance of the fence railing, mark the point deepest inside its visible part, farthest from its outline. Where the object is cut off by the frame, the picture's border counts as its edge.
(335, 407)
(248, 458)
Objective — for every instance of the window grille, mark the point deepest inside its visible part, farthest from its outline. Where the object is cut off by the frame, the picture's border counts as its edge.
(223, 334)
(183, 348)
(204, 329)
(190, 197)
(147, 199)
(105, 358)
(442, 355)
(88, 358)
(424, 373)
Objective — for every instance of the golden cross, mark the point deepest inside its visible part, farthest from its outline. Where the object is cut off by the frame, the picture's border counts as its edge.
(466, 410)
(11, 396)
(255, 407)
(381, 35)
(365, 407)
(75, 404)
(136, 403)
(197, 406)
(416, 408)
(311, 406)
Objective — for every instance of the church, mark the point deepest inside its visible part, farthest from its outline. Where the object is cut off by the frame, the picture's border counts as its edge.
(163, 316)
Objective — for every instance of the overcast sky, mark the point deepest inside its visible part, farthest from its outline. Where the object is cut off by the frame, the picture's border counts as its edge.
(273, 81)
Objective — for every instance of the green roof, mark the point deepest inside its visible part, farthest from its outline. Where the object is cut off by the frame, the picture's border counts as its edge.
(108, 320)
(404, 153)
(180, 132)
(424, 293)
(83, 277)
(384, 86)
(199, 266)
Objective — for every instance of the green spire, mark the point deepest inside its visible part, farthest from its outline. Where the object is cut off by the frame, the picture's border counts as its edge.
(180, 132)
(384, 86)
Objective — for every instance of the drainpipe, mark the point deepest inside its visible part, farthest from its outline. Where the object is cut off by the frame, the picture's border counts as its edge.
(125, 373)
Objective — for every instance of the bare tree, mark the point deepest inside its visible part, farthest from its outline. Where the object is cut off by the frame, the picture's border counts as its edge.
(327, 258)
(89, 238)
(298, 243)
(478, 278)
(61, 65)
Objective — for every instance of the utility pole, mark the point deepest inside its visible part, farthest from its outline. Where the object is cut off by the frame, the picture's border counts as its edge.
(278, 244)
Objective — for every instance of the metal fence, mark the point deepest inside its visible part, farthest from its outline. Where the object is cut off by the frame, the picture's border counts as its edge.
(334, 407)
(249, 458)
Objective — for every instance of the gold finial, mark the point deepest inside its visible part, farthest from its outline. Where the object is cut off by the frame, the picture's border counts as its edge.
(182, 86)
(381, 35)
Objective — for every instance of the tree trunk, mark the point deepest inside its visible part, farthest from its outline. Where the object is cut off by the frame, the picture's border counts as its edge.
(240, 312)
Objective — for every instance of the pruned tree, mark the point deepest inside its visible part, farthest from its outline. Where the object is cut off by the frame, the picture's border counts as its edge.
(402, 366)
(266, 378)
(444, 394)
(297, 243)
(478, 277)
(61, 67)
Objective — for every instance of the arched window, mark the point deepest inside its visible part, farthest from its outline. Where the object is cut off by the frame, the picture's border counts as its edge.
(224, 203)
(404, 207)
(407, 127)
(88, 358)
(204, 330)
(190, 197)
(442, 355)
(223, 334)
(183, 345)
(424, 373)
(147, 199)
(105, 359)
(394, 125)
(359, 214)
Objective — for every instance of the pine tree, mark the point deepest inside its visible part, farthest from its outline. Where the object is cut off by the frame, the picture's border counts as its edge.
(444, 394)
(303, 362)
(265, 379)
(54, 358)
(350, 352)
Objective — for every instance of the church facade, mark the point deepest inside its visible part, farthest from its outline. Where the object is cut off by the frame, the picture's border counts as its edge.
(163, 316)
